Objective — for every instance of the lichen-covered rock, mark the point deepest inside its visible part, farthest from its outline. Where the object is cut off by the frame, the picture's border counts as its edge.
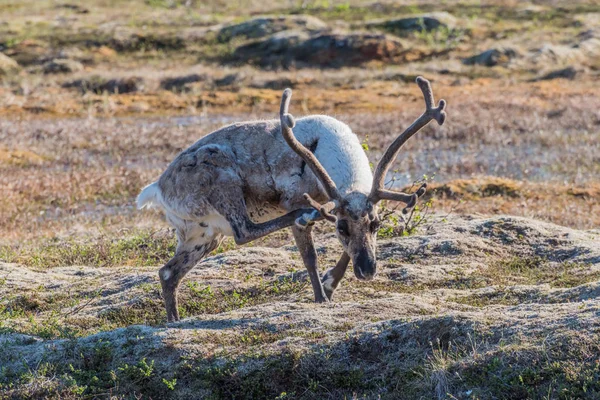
(493, 57)
(324, 50)
(62, 66)
(30, 52)
(563, 73)
(125, 40)
(98, 84)
(264, 26)
(417, 23)
(583, 50)
(180, 83)
(8, 66)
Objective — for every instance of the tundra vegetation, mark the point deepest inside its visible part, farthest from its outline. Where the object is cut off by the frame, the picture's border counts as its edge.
(487, 290)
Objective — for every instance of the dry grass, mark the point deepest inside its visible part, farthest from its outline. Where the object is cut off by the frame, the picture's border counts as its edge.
(67, 175)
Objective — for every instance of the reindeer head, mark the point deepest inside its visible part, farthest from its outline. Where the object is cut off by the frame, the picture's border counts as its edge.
(355, 213)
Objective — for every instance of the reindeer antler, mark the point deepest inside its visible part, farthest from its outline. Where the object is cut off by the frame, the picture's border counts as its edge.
(287, 123)
(378, 192)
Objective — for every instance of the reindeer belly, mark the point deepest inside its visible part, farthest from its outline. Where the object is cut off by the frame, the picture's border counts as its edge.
(261, 211)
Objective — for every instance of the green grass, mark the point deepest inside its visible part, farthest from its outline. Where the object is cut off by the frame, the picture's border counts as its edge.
(536, 271)
(62, 315)
(139, 249)
(500, 274)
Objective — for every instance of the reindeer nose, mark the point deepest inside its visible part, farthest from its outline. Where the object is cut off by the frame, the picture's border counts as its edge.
(365, 266)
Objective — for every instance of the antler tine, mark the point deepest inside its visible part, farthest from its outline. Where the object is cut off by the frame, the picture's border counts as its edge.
(287, 123)
(437, 113)
(409, 199)
(421, 191)
(324, 209)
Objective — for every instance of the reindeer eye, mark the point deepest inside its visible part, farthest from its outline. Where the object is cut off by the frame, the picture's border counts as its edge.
(375, 224)
(342, 228)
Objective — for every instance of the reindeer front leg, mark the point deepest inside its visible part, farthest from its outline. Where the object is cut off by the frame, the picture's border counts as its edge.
(306, 247)
(244, 229)
(331, 279)
(301, 222)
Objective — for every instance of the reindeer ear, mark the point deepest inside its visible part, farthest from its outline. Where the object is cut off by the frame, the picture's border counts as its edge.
(189, 160)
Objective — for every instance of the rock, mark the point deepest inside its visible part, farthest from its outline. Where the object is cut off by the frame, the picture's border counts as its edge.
(30, 52)
(399, 77)
(75, 54)
(349, 49)
(178, 84)
(584, 50)
(550, 54)
(564, 73)
(8, 66)
(264, 26)
(61, 66)
(324, 50)
(127, 40)
(417, 23)
(492, 57)
(73, 7)
(229, 79)
(272, 51)
(99, 85)
(274, 84)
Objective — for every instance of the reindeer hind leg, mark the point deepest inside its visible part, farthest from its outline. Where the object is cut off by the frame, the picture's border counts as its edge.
(192, 247)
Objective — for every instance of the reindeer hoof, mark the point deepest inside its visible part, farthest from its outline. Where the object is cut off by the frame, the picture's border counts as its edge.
(327, 281)
(302, 224)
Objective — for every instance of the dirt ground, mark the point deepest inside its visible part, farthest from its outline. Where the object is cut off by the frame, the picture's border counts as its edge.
(492, 296)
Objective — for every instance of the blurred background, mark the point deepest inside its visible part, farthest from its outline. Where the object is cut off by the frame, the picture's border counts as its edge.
(97, 97)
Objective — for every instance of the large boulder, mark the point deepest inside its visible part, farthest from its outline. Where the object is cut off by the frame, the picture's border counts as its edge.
(349, 49)
(264, 26)
(324, 50)
(273, 51)
(8, 66)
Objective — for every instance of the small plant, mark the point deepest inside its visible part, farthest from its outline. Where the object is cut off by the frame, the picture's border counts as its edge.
(139, 372)
(396, 224)
(170, 384)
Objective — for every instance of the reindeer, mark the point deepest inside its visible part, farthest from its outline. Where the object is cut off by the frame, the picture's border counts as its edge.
(250, 179)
